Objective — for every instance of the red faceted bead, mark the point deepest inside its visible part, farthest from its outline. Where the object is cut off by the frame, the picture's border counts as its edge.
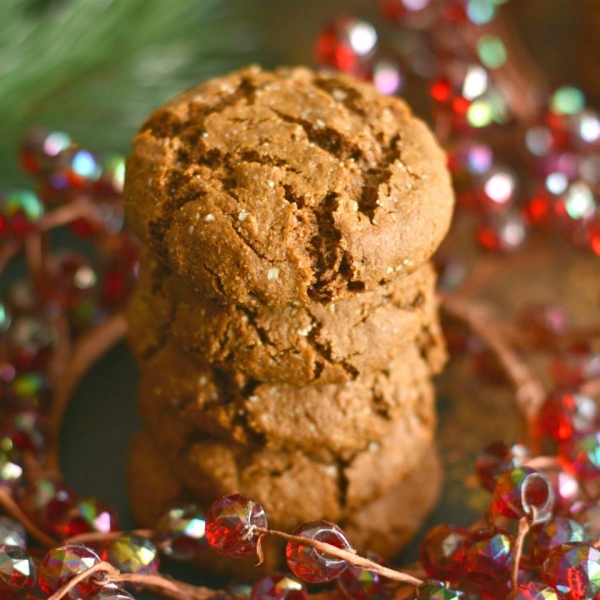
(534, 591)
(487, 556)
(581, 455)
(64, 563)
(181, 533)
(439, 552)
(346, 44)
(441, 90)
(310, 564)
(436, 590)
(358, 584)
(25, 429)
(573, 570)
(278, 587)
(523, 491)
(89, 515)
(497, 458)
(107, 592)
(558, 531)
(30, 341)
(71, 278)
(566, 413)
(17, 572)
(574, 365)
(544, 320)
(228, 524)
(538, 210)
(592, 231)
(46, 500)
(588, 514)
(502, 232)
(393, 10)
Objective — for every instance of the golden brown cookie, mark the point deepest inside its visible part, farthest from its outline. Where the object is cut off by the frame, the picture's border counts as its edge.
(305, 345)
(282, 188)
(325, 422)
(383, 526)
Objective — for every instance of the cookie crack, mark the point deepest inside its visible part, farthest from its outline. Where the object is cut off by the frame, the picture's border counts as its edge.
(326, 138)
(377, 176)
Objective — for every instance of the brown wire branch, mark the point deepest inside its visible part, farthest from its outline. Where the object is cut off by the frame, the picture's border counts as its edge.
(530, 393)
(13, 510)
(88, 348)
(524, 528)
(349, 555)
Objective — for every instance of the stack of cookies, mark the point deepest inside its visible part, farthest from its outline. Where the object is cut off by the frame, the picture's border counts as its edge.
(285, 319)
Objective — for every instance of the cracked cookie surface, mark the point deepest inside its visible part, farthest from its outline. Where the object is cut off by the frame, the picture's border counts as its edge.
(287, 187)
(326, 422)
(383, 526)
(306, 345)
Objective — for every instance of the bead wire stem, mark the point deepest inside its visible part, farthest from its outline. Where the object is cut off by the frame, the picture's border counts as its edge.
(524, 529)
(12, 510)
(349, 555)
(529, 390)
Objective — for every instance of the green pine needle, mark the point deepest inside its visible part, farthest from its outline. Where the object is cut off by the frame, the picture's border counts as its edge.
(96, 68)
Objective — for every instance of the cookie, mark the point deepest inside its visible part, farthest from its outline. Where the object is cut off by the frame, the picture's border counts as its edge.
(299, 346)
(383, 526)
(325, 422)
(287, 187)
(207, 462)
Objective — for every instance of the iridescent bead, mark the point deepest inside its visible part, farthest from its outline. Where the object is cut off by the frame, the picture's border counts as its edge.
(497, 458)
(5, 317)
(534, 591)
(359, 584)
(503, 232)
(566, 489)
(387, 76)
(487, 556)
(439, 552)
(29, 391)
(228, 523)
(12, 533)
(112, 178)
(17, 572)
(523, 492)
(346, 44)
(71, 278)
(30, 341)
(558, 531)
(588, 514)
(573, 365)
(25, 429)
(278, 587)
(573, 570)
(181, 533)
(64, 563)
(498, 189)
(543, 319)
(89, 515)
(310, 564)
(21, 210)
(46, 500)
(11, 471)
(581, 455)
(435, 590)
(132, 553)
(567, 413)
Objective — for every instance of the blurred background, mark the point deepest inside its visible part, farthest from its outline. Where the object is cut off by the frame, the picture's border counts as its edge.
(96, 68)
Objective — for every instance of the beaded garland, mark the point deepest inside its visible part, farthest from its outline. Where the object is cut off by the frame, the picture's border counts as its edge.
(55, 322)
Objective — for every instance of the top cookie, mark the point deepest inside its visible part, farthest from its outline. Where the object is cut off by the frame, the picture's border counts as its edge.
(287, 187)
